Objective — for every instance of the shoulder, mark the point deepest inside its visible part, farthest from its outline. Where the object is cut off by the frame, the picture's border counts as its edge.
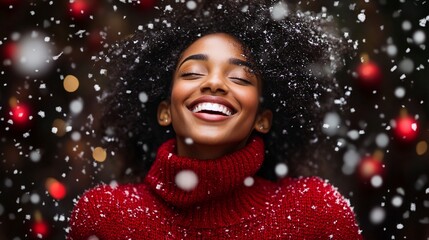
(106, 193)
(323, 206)
(102, 206)
(319, 193)
(315, 188)
(110, 197)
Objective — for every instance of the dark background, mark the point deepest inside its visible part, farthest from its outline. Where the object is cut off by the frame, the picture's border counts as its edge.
(37, 162)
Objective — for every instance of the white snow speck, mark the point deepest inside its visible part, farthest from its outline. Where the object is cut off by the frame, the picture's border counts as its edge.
(143, 97)
(376, 181)
(423, 21)
(93, 237)
(406, 25)
(279, 11)
(76, 106)
(406, 65)
(391, 50)
(353, 134)
(34, 198)
(249, 181)
(361, 17)
(97, 87)
(35, 155)
(191, 5)
(382, 140)
(397, 201)
(419, 37)
(281, 170)
(186, 180)
(331, 123)
(413, 207)
(168, 8)
(41, 114)
(399, 92)
(189, 141)
(57, 56)
(377, 215)
(75, 136)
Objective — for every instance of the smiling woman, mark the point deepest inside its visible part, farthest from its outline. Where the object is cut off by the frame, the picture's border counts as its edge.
(238, 80)
(214, 99)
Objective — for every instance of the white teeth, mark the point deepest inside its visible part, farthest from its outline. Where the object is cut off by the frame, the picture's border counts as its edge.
(215, 107)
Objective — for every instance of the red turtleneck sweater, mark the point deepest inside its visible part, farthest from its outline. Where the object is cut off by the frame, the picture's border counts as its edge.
(221, 206)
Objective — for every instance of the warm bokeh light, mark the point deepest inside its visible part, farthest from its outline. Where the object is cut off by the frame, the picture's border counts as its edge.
(71, 83)
(55, 188)
(369, 74)
(369, 167)
(99, 154)
(421, 147)
(59, 127)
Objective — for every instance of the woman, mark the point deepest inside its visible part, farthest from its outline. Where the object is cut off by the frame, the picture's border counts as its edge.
(238, 81)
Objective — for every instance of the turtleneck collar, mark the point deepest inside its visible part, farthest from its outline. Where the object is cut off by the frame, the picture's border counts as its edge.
(216, 177)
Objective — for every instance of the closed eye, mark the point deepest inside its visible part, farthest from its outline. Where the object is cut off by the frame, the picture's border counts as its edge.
(191, 75)
(241, 81)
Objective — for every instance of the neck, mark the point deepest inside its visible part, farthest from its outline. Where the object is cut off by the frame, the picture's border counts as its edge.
(206, 151)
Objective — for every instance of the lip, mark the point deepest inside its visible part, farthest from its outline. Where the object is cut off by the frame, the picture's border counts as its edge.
(212, 99)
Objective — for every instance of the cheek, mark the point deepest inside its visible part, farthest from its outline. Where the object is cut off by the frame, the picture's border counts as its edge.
(249, 99)
(178, 92)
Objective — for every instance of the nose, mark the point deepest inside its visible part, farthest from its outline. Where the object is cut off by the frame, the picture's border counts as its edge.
(215, 83)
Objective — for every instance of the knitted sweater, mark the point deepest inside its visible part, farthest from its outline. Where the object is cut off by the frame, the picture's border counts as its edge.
(220, 206)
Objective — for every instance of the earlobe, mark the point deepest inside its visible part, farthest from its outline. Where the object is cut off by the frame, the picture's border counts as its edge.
(264, 121)
(164, 116)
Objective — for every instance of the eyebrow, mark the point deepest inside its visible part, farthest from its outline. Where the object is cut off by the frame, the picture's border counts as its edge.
(239, 62)
(204, 57)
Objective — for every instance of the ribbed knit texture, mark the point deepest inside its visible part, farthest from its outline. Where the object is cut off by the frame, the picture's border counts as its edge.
(221, 206)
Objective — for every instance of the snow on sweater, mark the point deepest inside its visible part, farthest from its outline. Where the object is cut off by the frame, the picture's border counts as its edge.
(221, 206)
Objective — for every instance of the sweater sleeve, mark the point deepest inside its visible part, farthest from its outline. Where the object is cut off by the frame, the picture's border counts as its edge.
(87, 215)
(334, 214)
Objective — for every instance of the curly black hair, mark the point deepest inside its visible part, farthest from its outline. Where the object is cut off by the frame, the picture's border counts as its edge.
(297, 54)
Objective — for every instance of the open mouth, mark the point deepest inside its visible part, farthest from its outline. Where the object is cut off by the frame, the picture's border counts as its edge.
(212, 108)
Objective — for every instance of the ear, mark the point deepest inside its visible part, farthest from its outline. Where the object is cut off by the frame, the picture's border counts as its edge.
(164, 116)
(263, 121)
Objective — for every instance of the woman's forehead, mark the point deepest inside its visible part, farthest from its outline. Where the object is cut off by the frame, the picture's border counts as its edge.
(223, 42)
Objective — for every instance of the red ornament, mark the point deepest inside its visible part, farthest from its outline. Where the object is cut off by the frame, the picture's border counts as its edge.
(20, 114)
(40, 229)
(80, 9)
(406, 128)
(9, 50)
(56, 189)
(147, 4)
(369, 167)
(369, 75)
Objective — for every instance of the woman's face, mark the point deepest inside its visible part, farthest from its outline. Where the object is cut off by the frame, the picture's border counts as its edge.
(214, 98)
